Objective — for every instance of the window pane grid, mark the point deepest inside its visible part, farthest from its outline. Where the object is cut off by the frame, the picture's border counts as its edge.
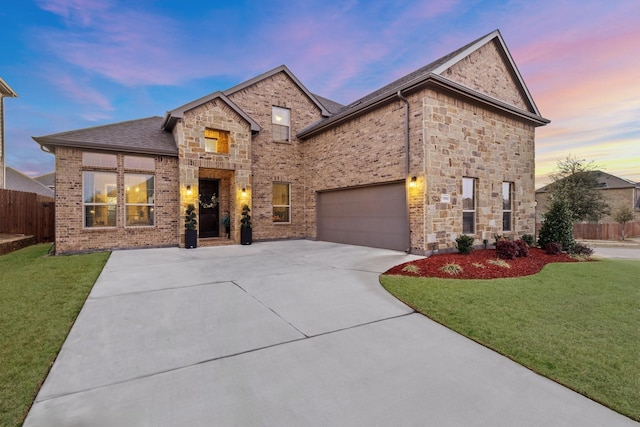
(468, 205)
(139, 199)
(281, 201)
(280, 119)
(99, 199)
(507, 206)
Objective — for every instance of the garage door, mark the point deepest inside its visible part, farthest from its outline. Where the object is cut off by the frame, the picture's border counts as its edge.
(373, 216)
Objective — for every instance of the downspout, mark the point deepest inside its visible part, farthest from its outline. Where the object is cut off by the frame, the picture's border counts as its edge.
(406, 166)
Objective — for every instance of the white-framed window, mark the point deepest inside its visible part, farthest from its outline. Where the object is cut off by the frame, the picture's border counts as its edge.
(281, 122)
(100, 198)
(281, 202)
(216, 141)
(468, 205)
(139, 199)
(507, 206)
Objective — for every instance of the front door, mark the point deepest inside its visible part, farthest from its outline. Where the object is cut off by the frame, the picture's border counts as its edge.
(209, 195)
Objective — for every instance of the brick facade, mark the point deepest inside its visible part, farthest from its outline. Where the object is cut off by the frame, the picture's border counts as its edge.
(277, 161)
(451, 134)
(71, 234)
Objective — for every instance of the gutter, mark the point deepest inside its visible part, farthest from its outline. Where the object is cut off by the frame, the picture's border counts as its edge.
(406, 165)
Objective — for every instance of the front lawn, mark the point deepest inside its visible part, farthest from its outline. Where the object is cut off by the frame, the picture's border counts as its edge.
(40, 299)
(576, 323)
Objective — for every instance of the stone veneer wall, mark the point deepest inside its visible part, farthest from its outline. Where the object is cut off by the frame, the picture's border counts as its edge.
(277, 161)
(71, 236)
(487, 71)
(233, 169)
(467, 140)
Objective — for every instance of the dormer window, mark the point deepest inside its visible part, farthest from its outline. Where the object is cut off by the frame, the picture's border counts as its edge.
(280, 119)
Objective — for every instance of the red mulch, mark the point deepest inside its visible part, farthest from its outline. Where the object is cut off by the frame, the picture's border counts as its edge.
(430, 267)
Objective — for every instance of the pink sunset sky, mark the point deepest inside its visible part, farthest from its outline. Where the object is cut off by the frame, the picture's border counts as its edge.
(83, 63)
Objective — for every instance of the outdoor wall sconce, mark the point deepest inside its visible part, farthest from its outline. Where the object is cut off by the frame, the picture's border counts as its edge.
(188, 190)
(244, 192)
(413, 182)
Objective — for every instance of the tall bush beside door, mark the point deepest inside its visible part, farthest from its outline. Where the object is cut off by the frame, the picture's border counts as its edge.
(246, 234)
(190, 232)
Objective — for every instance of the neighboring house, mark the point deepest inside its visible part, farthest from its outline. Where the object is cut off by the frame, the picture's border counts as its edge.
(5, 92)
(20, 182)
(48, 180)
(445, 150)
(616, 192)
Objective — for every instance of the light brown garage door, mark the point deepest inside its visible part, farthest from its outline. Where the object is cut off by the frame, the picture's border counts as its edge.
(373, 216)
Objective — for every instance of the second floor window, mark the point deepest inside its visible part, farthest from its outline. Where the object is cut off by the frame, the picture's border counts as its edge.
(216, 141)
(280, 120)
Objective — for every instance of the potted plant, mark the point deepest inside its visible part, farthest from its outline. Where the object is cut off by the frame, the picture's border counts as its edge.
(190, 232)
(246, 235)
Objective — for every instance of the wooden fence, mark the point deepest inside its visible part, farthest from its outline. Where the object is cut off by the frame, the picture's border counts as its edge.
(27, 213)
(610, 231)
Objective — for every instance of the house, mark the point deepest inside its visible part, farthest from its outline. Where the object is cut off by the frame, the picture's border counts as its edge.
(445, 150)
(616, 192)
(18, 181)
(47, 179)
(5, 92)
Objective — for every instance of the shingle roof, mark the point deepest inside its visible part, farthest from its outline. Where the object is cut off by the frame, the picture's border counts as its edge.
(48, 179)
(430, 72)
(143, 136)
(605, 181)
(332, 106)
(20, 182)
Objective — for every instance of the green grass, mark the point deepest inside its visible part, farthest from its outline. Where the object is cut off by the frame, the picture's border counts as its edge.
(576, 323)
(40, 297)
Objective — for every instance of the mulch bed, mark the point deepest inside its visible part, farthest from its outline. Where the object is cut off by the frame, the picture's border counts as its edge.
(477, 266)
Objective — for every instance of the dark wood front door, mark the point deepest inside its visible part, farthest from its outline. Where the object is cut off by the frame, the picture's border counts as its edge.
(209, 208)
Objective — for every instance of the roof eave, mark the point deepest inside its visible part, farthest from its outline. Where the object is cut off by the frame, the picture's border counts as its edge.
(283, 69)
(172, 117)
(50, 143)
(423, 81)
(6, 91)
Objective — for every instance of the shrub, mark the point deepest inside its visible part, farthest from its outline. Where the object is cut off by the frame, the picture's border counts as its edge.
(451, 268)
(499, 262)
(464, 244)
(411, 268)
(581, 249)
(553, 248)
(506, 249)
(522, 248)
(529, 239)
(557, 226)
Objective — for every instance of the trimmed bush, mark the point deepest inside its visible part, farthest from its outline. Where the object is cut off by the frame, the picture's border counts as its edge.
(506, 249)
(464, 244)
(557, 226)
(529, 239)
(522, 248)
(553, 248)
(581, 249)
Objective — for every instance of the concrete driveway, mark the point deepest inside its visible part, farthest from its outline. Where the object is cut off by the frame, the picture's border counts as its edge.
(293, 333)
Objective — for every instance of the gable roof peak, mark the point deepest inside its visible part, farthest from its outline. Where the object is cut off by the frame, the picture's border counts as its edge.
(280, 69)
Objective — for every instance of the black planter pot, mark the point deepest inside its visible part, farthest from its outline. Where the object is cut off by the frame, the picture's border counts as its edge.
(190, 239)
(246, 236)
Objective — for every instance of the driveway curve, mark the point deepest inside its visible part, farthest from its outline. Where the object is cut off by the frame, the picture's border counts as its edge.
(290, 333)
